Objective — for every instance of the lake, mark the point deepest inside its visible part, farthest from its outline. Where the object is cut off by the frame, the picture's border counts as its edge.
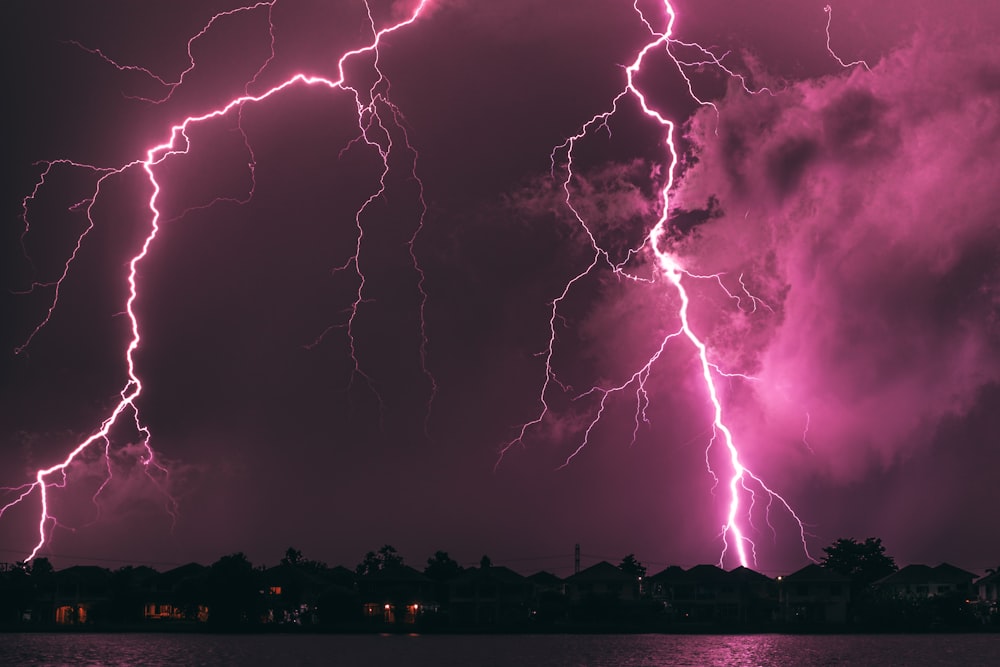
(181, 650)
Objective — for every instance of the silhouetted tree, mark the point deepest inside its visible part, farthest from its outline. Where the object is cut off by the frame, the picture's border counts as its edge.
(630, 565)
(41, 568)
(43, 581)
(441, 567)
(16, 594)
(233, 591)
(485, 563)
(292, 557)
(374, 561)
(125, 593)
(864, 562)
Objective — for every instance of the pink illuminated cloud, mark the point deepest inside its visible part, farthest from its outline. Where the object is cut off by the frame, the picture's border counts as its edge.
(865, 206)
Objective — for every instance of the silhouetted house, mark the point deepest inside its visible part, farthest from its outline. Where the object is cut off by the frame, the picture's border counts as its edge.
(988, 599)
(549, 603)
(814, 595)
(757, 596)
(702, 594)
(987, 588)
(545, 582)
(709, 594)
(602, 580)
(129, 588)
(78, 591)
(339, 602)
(663, 587)
(178, 595)
(292, 594)
(921, 581)
(489, 596)
(397, 594)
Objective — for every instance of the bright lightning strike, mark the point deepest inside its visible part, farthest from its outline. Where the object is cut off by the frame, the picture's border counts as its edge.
(742, 484)
(379, 121)
(380, 129)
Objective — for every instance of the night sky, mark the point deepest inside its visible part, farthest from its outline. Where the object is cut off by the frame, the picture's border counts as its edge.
(859, 206)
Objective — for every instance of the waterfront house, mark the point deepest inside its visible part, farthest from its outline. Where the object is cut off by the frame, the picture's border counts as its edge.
(921, 581)
(814, 595)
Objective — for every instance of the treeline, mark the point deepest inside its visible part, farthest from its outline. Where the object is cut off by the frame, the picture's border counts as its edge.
(855, 587)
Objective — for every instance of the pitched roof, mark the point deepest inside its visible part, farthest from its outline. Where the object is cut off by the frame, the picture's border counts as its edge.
(990, 578)
(706, 574)
(493, 572)
(603, 571)
(922, 574)
(814, 572)
(544, 578)
(746, 575)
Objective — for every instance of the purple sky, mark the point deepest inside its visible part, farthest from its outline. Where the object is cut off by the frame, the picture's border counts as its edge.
(860, 206)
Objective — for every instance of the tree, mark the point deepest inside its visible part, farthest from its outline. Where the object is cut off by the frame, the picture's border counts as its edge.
(441, 567)
(385, 557)
(233, 591)
(41, 568)
(292, 557)
(864, 562)
(630, 565)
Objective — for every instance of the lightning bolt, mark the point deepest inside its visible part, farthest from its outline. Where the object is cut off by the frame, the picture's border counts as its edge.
(380, 127)
(382, 130)
(741, 483)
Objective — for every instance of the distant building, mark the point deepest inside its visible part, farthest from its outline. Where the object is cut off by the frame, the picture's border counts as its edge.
(177, 595)
(921, 581)
(814, 595)
(490, 596)
(396, 595)
(602, 580)
(709, 594)
(292, 594)
(987, 587)
(78, 590)
(549, 604)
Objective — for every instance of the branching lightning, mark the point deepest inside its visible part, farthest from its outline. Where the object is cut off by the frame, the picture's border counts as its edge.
(741, 483)
(378, 119)
(381, 129)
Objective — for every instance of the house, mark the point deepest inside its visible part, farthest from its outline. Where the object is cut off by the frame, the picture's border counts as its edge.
(490, 596)
(757, 596)
(396, 594)
(709, 594)
(814, 594)
(292, 594)
(178, 595)
(78, 591)
(987, 587)
(548, 599)
(988, 599)
(921, 581)
(663, 586)
(602, 580)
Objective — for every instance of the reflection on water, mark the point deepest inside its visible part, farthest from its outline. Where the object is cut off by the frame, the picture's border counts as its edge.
(114, 650)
